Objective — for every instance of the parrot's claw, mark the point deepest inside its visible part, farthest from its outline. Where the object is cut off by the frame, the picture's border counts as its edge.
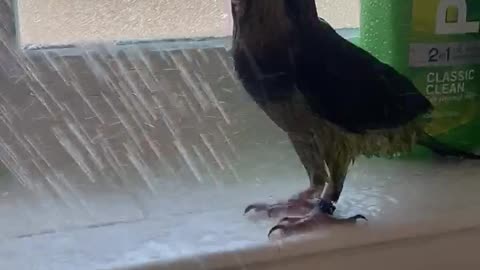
(317, 217)
(256, 207)
(275, 228)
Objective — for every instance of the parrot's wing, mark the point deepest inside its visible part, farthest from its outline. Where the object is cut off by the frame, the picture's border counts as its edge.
(352, 89)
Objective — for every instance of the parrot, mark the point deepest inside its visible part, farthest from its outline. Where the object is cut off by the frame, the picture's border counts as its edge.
(334, 100)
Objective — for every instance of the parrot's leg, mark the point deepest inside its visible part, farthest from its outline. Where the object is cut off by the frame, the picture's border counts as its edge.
(322, 213)
(303, 202)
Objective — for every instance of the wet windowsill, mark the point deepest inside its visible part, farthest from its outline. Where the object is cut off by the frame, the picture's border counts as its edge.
(203, 227)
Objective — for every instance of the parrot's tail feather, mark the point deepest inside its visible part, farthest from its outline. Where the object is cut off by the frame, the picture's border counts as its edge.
(445, 150)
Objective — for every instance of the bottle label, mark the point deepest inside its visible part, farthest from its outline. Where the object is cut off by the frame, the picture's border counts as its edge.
(444, 60)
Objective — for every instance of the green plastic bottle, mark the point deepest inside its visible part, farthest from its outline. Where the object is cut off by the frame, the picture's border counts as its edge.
(436, 43)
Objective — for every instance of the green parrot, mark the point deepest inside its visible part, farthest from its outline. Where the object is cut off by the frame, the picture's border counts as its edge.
(333, 99)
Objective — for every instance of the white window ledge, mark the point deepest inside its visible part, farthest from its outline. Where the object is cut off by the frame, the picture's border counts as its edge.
(60, 22)
(421, 214)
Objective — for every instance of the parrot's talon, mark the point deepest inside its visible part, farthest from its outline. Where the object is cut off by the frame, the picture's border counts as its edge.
(257, 207)
(249, 208)
(276, 228)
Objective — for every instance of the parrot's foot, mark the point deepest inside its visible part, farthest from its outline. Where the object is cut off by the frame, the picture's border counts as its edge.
(320, 215)
(300, 204)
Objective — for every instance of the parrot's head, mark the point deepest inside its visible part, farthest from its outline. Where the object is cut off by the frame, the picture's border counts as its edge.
(262, 20)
